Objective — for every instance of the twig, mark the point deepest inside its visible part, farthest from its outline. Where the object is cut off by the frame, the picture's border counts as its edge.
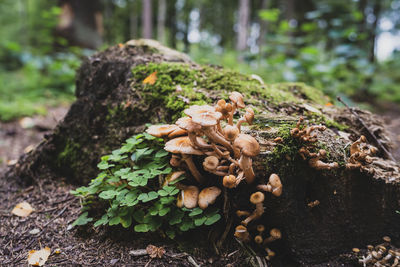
(380, 145)
(138, 252)
(192, 261)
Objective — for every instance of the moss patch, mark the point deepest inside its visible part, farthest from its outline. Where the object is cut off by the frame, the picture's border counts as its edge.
(179, 84)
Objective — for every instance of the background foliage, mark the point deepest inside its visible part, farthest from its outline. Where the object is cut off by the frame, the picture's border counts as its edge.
(332, 45)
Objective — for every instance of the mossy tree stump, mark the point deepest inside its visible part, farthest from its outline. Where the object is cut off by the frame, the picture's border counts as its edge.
(113, 104)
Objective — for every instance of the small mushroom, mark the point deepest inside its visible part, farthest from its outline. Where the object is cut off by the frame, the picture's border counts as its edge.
(172, 177)
(229, 181)
(237, 100)
(188, 197)
(270, 254)
(193, 129)
(246, 146)
(248, 117)
(211, 164)
(274, 185)
(258, 239)
(317, 164)
(169, 130)
(242, 234)
(208, 196)
(231, 132)
(183, 146)
(275, 234)
(257, 199)
(241, 213)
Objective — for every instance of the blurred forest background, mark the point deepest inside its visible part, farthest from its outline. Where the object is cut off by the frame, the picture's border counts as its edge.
(343, 47)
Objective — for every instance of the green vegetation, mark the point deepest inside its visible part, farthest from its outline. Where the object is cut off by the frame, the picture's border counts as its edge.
(129, 185)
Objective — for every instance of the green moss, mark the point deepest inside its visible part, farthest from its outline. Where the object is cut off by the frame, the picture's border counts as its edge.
(179, 84)
(69, 155)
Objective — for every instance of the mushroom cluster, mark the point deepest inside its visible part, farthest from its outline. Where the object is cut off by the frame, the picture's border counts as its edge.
(381, 255)
(306, 136)
(361, 154)
(210, 131)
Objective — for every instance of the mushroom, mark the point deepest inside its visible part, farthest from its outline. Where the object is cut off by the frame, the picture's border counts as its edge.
(231, 132)
(274, 185)
(188, 197)
(270, 254)
(242, 234)
(241, 213)
(211, 163)
(225, 109)
(208, 196)
(248, 117)
(182, 145)
(192, 129)
(275, 234)
(355, 146)
(237, 100)
(258, 239)
(208, 118)
(169, 130)
(246, 146)
(317, 164)
(257, 199)
(172, 177)
(229, 181)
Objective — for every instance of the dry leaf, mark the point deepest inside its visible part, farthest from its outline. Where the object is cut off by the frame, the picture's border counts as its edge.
(120, 45)
(329, 104)
(39, 257)
(22, 209)
(12, 162)
(151, 79)
(154, 251)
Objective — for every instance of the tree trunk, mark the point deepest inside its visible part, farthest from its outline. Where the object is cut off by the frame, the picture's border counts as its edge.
(162, 12)
(112, 104)
(243, 24)
(171, 22)
(263, 26)
(374, 29)
(147, 19)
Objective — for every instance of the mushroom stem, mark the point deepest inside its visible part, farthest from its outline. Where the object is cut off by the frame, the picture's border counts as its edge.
(215, 137)
(193, 170)
(255, 215)
(240, 122)
(230, 118)
(245, 163)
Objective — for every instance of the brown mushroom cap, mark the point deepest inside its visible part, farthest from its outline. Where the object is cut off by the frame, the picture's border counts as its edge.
(181, 145)
(249, 115)
(161, 130)
(258, 239)
(231, 132)
(172, 177)
(241, 233)
(210, 163)
(208, 196)
(187, 124)
(204, 115)
(257, 197)
(247, 144)
(275, 233)
(229, 181)
(223, 107)
(188, 197)
(237, 98)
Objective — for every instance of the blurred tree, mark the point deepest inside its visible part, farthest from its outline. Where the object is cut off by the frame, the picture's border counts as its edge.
(147, 19)
(243, 24)
(162, 12)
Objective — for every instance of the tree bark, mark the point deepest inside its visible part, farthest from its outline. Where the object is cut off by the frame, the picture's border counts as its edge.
(162, 11)
(243, 24)
(112, 104)
(147, 19)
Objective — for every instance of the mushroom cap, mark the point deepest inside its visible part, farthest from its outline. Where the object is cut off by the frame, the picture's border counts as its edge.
(161, 130)
(181, 145)
(187, 124)
(260, 228)
(188, 197)
(208, 196)
(275, 233)
(229, 181)
(257, 197)
(249, 115)
(237, 98)
(258, 239)
(210, 163)
(172, 177)
(231, 132)
(241, 232)
(177, 132)
(274, 180)
(223, 107)
(247, 144)
(204, 115)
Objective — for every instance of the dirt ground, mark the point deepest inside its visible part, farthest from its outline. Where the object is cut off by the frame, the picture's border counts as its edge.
(55, 210)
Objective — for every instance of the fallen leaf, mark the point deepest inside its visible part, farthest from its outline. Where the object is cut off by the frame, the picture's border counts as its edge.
(155, 252)
(329, 104)
(57, 251)
(12, 162)
(29, 149)
(151, 79)
(38, 257)
(26, 122)
(22, 209)
(120, 45)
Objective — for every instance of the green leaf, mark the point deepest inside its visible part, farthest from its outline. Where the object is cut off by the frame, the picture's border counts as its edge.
(103, 220)
(164, 211)
(213, 219)
(269, 14)
(126, 221)
(141, 153)
(141, 228)
(195, 211)
(114, 221)
(146, 197)
(103, 165)
(170, 233)
(176, 217)
(109, 194)
(199, 221)
(138, 216)
(82, 219)
(161, 153)
(167, 200)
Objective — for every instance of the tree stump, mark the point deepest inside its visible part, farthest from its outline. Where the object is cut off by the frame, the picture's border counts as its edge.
(355, 208)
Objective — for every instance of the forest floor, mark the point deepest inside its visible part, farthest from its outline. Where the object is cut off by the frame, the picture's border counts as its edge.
(55, 210)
